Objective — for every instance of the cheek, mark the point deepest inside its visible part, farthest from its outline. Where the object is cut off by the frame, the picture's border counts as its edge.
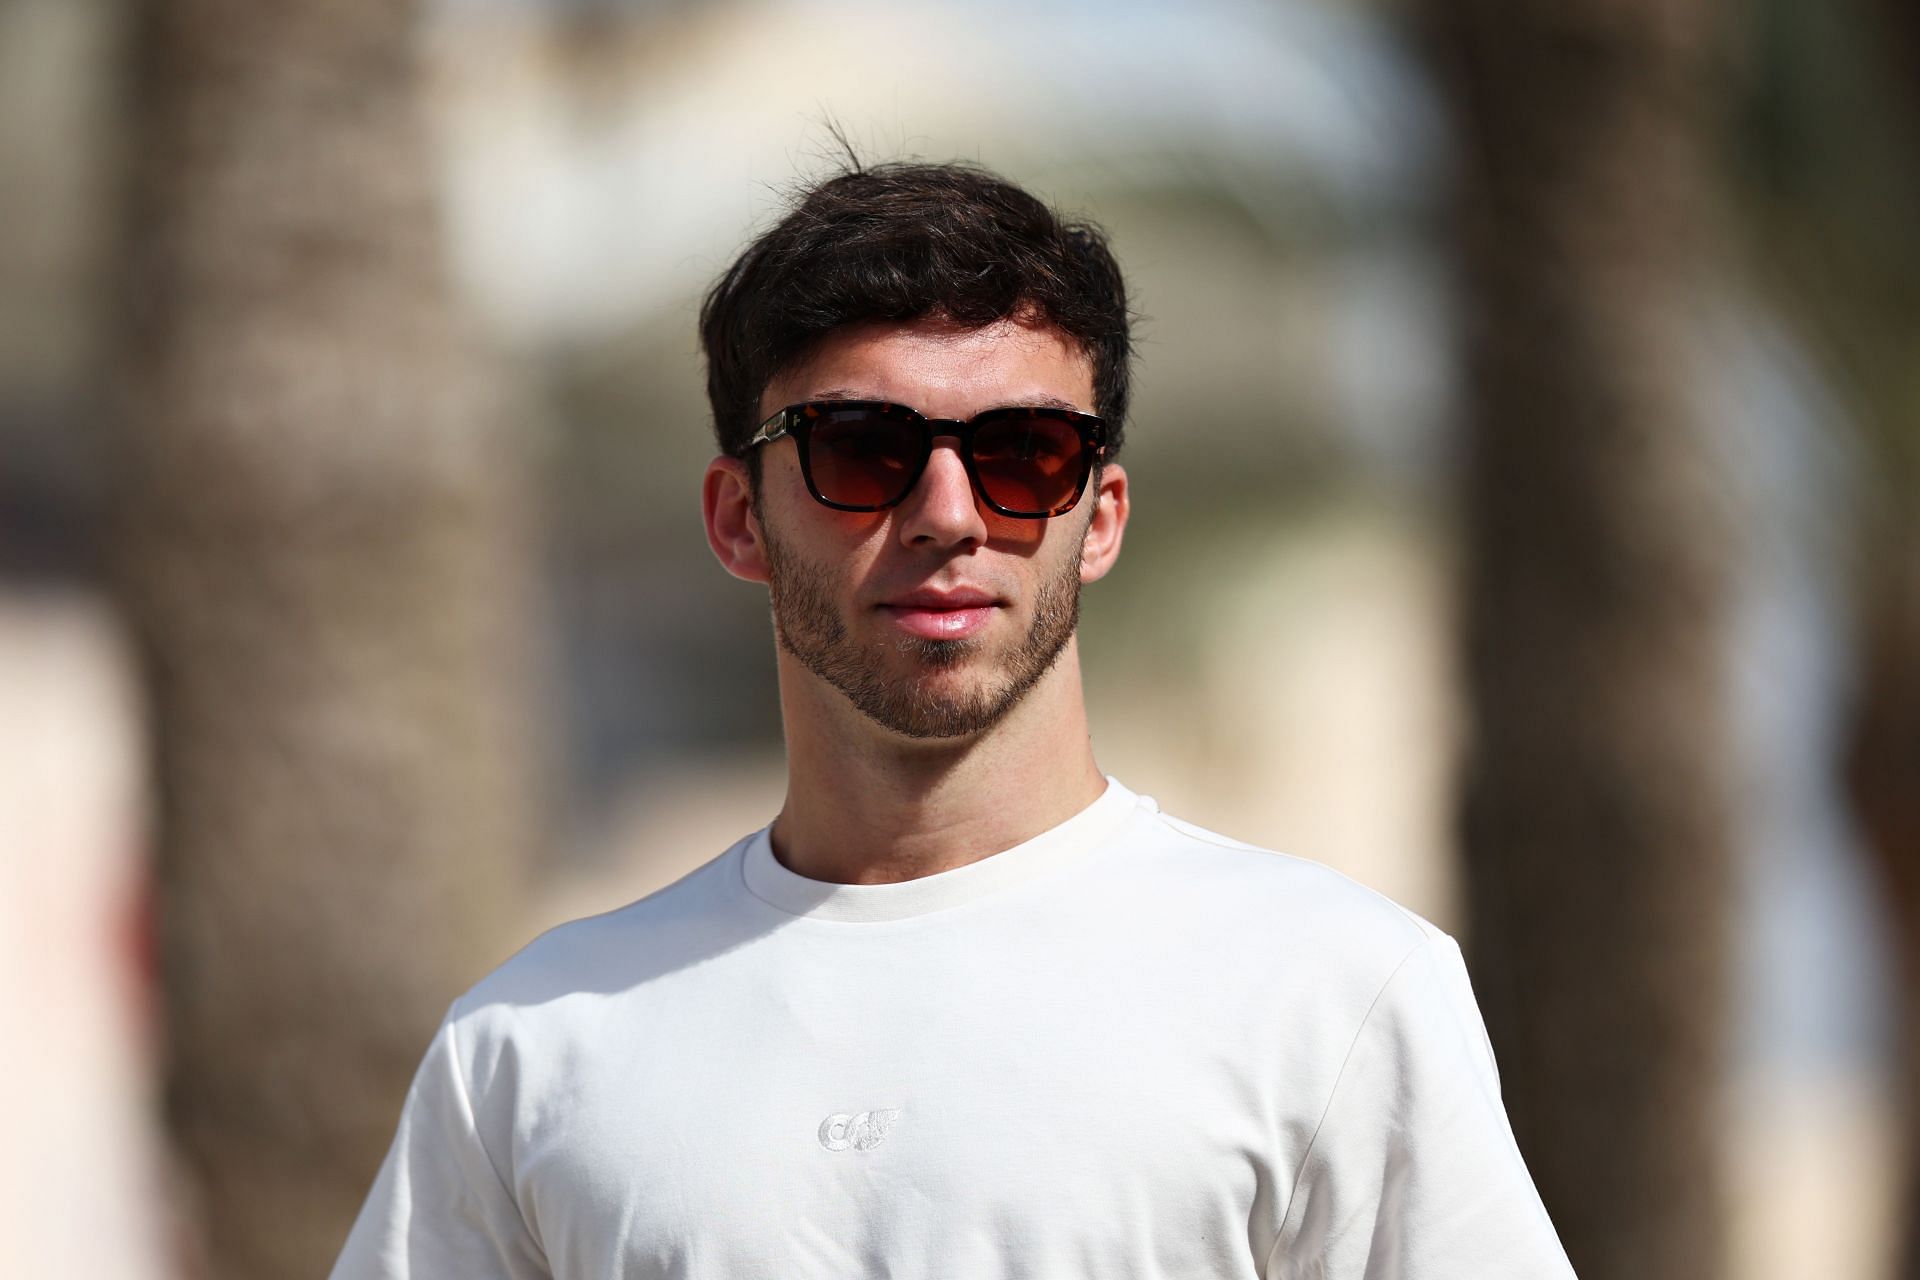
(853, 545)
(1016, 537)
(820, 533)
(857, 537)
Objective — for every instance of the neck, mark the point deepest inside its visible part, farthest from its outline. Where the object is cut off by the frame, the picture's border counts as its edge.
(867, 806)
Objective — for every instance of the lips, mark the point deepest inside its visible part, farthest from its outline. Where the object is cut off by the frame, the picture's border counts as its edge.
(932, 614)
(957, 598)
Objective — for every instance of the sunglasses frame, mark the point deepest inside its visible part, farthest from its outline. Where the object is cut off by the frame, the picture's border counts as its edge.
(797, 421)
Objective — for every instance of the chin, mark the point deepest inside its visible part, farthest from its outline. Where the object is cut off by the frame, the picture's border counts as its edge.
(938, 655)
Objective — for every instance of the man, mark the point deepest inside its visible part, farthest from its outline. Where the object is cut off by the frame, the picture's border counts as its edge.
(967, 1008)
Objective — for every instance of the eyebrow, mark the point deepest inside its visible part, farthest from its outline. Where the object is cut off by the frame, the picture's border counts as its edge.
(1025, 402)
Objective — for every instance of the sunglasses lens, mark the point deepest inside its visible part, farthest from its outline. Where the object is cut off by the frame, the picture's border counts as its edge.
(1029, 463)
(865, 457)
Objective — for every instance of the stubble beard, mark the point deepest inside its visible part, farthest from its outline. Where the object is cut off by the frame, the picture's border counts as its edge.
(808, 625)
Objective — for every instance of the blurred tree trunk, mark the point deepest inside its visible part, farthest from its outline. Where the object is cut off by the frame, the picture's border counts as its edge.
(323, 543)
(1596, 813)
(1883, 774)
(1883, 764)
(1836, 205)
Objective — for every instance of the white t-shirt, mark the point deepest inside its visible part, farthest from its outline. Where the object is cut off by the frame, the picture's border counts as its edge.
(1124, 1048)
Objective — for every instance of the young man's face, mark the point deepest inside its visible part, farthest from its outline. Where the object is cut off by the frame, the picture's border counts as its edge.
(936, 616)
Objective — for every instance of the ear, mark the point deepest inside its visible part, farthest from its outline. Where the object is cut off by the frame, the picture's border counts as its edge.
(726, 499)
(1107, 526)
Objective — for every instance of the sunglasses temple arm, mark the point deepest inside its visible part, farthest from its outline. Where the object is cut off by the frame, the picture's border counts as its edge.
(770, 430)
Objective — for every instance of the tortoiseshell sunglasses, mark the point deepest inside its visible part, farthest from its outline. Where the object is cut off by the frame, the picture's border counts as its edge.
(866, 455)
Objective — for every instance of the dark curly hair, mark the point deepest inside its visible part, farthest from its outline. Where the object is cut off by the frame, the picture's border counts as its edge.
(899, 242)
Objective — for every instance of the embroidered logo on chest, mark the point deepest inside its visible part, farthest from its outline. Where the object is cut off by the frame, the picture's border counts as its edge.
(862, 1132)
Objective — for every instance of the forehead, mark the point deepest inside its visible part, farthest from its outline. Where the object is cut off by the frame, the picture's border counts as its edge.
(941, 368)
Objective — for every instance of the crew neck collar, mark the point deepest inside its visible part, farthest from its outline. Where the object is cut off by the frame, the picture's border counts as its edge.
(770, 881)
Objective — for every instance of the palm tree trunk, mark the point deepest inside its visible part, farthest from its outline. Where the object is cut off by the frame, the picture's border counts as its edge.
(1596, 811)
(1883, 756)
(323, 545)
(1883, 776)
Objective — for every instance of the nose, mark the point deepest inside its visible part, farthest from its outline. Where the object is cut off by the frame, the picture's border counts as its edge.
(942, 510)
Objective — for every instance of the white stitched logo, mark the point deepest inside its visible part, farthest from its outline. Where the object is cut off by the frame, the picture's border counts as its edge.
(862, 1132)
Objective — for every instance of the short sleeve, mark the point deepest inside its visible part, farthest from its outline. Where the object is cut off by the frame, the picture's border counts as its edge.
(1413, 1173)
(439, 1209)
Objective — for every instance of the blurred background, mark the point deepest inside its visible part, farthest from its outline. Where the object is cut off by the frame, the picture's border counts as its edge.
(1526, 458)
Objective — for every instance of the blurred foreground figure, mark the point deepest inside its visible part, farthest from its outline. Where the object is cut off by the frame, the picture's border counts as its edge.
(967, 1007)
(322, 555)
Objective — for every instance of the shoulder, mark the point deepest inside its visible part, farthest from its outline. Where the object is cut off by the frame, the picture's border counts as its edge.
(1275, 909)
(617, 953)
